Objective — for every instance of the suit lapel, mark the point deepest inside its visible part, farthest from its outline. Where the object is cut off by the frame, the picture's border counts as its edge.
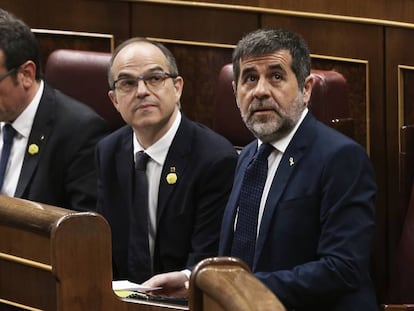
(227, 232)
(125, 165)
(175, 162)
(290, 160)
(43, 124)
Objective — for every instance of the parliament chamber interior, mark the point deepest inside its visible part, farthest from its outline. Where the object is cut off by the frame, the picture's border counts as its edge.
(362, 61)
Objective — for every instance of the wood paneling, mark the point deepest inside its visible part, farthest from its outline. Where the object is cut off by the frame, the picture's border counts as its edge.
(399, 88)
(192, 24)
(50, 40)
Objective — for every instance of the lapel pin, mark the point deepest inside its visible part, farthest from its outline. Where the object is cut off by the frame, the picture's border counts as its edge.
(291, 162)
(172, 176)
(33, 149)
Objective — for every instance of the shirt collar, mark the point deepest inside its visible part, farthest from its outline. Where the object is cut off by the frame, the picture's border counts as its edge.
(282, 144)
(23, 123)
(158, 151)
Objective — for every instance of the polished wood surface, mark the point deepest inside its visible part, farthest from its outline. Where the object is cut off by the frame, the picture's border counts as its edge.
(226, 283)
(58, 260)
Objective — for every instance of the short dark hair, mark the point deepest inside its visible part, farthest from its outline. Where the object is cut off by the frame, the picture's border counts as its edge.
(167, 53)
(267, 41)
(18, 43)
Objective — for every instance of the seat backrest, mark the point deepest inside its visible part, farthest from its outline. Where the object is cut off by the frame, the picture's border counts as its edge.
(83, 76)
(328, 103)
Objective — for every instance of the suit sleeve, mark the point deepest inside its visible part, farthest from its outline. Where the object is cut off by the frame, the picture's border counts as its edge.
(212, 195)
(81, 177)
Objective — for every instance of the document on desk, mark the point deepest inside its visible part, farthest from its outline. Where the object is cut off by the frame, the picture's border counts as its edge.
(130, 286)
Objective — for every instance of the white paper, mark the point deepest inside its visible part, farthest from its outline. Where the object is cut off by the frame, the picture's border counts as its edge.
(127, 285)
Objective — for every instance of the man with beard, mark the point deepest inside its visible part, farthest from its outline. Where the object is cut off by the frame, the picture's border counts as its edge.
(314, 213)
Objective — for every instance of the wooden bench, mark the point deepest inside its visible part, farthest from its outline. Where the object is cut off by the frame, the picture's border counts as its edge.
(57, 259)
(54, 259)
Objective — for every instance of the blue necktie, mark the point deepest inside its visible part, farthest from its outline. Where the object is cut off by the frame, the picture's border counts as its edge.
(244, 240)
(8, 135)
(139, 261)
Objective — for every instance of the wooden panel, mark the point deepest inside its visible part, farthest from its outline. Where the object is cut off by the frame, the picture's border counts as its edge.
(75, 15)
(50, 40)
(193, 24)
(27, 285)
(406, 94)
(199, 84)
(79, 274)
(397, 10)
(399, 107)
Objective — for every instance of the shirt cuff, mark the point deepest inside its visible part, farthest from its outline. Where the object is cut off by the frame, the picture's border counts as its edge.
(187, 273)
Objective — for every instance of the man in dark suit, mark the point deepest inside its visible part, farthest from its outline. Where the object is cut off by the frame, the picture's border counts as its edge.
(52, 155)
(189, 172)
(314, 216)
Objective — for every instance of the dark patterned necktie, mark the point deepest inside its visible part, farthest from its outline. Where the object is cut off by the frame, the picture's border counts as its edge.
(8, 135)
(139, 261)
(244, 240)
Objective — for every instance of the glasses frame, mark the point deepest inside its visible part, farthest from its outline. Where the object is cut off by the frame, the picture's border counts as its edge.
(8, 73)
(165, 75)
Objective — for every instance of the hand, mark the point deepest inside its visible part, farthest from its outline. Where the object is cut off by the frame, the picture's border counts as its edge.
(174, 284)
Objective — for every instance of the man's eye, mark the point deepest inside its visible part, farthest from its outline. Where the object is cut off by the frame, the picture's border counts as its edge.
(250, 79)
(277, 76)
(128, 82)
(154, 78)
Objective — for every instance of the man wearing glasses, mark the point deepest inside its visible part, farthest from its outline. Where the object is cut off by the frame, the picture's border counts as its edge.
(165, 214)
(47, 140)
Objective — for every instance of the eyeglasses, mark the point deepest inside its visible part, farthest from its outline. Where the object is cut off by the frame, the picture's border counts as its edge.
(153, 81)
(8, 73)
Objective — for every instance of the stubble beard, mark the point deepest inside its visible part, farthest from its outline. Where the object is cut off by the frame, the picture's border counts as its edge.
(272, 127)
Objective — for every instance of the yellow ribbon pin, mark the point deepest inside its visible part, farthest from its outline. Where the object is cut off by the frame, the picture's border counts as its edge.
(291, 162)
(33, 149)
(172, 176)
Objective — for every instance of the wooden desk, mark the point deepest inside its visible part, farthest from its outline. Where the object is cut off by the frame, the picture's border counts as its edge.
(58, 260)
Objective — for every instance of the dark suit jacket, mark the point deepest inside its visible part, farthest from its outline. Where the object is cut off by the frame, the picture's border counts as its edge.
(313, 246)
(189, 212)
(63, 172)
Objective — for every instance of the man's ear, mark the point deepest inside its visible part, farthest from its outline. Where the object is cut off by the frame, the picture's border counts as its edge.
(27, 73)
(307, 89)
(114, 100)
(233, 85)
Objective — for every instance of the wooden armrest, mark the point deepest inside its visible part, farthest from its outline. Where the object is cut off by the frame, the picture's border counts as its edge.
(227, 283)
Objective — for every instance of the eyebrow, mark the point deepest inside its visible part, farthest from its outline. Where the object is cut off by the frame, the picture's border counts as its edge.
(151, 70)
(249, 70)
(276, 67)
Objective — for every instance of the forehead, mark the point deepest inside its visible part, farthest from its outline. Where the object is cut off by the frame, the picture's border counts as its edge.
(140, 56)
(277, 60)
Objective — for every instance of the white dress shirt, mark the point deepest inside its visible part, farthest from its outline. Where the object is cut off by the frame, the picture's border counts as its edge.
(158, 153)
(23, 126)
(273, 163)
